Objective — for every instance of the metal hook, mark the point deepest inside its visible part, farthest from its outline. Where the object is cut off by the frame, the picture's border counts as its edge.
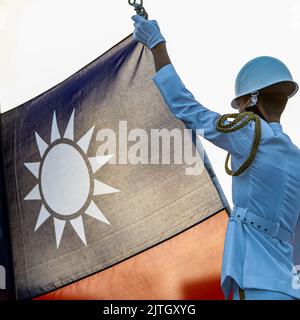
(132, 2)
(139, 8)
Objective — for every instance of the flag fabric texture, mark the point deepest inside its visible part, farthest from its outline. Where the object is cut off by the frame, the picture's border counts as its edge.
(185, 267)
(6, 274)
(80, 209)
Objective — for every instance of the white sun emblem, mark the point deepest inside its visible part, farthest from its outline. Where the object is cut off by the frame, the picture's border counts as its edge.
(66, 181)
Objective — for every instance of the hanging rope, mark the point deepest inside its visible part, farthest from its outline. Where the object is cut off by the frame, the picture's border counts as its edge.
(239, 122)
(139, 8)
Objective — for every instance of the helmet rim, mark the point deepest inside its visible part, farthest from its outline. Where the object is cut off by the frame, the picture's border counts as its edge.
(234, 102)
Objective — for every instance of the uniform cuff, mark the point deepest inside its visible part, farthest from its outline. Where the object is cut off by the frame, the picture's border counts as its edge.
(163, 74)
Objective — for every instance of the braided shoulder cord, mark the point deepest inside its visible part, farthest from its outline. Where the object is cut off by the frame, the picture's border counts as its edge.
(239, 122)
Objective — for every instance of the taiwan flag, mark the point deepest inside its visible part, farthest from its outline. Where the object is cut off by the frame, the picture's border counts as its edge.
(107, 195)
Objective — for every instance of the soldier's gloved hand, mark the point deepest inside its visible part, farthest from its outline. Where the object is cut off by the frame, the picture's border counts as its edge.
(147, 31)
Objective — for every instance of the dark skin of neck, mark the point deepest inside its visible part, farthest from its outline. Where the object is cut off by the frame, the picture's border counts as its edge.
(266, 108)
(270, 117)
(161, 59)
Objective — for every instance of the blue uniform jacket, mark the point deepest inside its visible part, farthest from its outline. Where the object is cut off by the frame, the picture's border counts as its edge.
(258, 248)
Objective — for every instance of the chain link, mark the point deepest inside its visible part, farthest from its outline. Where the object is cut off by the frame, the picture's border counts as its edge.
(139, 8)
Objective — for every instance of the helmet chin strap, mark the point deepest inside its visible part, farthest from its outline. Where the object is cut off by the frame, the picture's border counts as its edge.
(254, 98)
(252, 102)
(246, 105)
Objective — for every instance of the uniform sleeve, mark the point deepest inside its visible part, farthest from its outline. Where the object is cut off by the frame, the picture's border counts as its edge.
(296, 243)
(195, 116)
